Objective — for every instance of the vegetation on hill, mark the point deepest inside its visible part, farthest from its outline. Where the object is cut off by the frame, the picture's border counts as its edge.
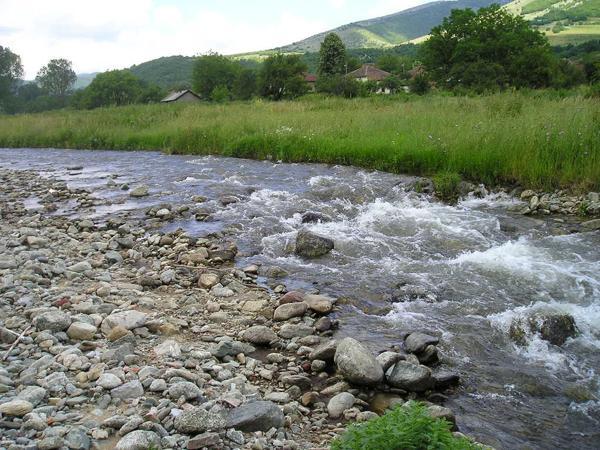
(390, 30)
(168, 73)
(536, 139)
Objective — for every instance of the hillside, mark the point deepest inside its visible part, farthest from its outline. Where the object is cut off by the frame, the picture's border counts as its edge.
(563, 21)
(166, 72)
(391, 30)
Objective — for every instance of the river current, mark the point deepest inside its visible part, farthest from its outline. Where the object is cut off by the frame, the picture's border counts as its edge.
(405, 263)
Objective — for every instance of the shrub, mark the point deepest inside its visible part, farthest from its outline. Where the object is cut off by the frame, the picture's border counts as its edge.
(406, 427)
(447, 186)
(419, 84)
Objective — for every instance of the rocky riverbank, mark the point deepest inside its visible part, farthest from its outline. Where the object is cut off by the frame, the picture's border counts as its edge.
(117, 336)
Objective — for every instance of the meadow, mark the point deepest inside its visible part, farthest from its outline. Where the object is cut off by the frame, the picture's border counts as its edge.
(537, 140)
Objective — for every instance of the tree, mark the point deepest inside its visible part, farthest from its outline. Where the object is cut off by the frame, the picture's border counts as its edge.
(340, 85)
(11, 70)
(57, 77)
(244, 86)
(332, 56)
(282, 76)
(211, 71)
(490, 47)
(116, 88)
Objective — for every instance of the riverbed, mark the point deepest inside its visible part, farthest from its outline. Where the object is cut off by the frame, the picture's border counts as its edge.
(402, 262)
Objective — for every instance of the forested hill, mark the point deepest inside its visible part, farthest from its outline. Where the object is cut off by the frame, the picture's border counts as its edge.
(391, 30)
(167, 72)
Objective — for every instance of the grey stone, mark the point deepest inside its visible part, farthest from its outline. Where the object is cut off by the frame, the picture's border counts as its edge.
(325, 351)
(52, 321)
(357, 364)
(33, 394)
(231, 348)
(258, 335)
(311, 245)
(16, 408)
(81, 331)
(410, 377)
(80, 267)
(108, 381)
(139, 191)
(185, 389)
(291, 330)
(255, 416)
(340, 403)
(417, 342)
(139, 440)
(127, 319)
(198, 420)
(133, 389)
(290, 310)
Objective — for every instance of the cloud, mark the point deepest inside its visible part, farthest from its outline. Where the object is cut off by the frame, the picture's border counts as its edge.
(385, 7)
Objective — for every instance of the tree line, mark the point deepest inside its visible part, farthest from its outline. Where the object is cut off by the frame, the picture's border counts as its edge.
(471, 51)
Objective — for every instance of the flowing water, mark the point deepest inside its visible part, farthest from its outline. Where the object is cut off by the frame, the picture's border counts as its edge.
(407, 263)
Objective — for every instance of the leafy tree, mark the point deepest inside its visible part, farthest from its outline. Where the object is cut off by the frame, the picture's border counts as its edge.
(282, 76)
(419, 84)
(57, 77)
(459, 50)
(115, 88)
(340, 85)
(244, 86)
(220, 94)
(213, 70)
(11, 70)
(332, 56)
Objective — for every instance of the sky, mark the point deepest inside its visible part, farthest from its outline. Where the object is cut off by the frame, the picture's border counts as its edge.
(99, 35)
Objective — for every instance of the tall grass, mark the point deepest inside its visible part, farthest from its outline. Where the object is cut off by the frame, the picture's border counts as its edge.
(536, 140)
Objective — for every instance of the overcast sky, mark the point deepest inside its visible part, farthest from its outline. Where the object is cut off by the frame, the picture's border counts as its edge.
(113, 34)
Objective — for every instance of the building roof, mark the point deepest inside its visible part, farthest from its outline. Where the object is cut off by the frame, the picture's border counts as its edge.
(310, 77)
(370, 72)
(174, 96)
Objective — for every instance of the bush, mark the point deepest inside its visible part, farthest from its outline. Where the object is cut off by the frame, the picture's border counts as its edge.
(594, 91)
(406, 427)
(338, 85)
(419, 84)
(447, 186)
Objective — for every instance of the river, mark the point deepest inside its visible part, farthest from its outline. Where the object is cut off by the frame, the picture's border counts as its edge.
(406, 263)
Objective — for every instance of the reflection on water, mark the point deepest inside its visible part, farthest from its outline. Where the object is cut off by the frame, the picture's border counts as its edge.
(418, 264)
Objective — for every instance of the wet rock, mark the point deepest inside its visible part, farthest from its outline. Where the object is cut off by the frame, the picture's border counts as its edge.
(291, 297)
(258, 335)
(319, 303)
(557, 328)
(382, 401)
(356, 363)
(139, 191)
(290, 310)
(256, 416)
(439, 412)
(311, 245)
(340, 403)
(388, 359)
(591, 225)
(16, 408)
(139, 440)
(52, 321)
(410, 377)
(315, 217)
(198, 420)
(417, 342)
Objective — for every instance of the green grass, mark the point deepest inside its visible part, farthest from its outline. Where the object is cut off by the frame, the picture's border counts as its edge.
(405, 427)
(539, 140)
(537, 5)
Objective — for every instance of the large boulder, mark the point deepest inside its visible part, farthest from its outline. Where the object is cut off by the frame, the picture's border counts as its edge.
(289, 311)
(311, 245)
(357, 364)
(255, 416)
(410, 377)
(340, 403)
(557, 328)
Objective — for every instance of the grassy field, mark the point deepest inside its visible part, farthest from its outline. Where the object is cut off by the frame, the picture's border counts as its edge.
(538, 140)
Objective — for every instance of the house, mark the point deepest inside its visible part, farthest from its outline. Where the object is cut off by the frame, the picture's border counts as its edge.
(369, 72)
(186, 96)
(311, 81)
